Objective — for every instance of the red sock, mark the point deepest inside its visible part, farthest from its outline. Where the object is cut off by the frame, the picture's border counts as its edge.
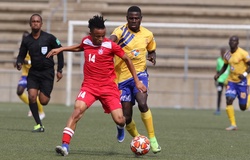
(67, 134)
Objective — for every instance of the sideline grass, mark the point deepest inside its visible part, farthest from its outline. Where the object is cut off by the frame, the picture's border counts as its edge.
(182, 134)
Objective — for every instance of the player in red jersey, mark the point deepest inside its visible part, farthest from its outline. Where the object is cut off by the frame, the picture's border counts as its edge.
(98, 83)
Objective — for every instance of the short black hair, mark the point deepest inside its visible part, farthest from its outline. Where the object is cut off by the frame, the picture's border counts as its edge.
(36, 14)
(96, 22)
(134, 9)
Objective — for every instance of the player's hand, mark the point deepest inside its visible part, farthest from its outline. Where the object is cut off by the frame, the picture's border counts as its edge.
(59, 76)
(241, 77)
(18, 66)
(141, 87)
(152, 57)
(216, 77)
(53, 52)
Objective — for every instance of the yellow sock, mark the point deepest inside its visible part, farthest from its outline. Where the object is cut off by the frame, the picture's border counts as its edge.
(131, 128)
(230, 114)
(39, 105)
(248, 101)
(148, 122)
(24, 98)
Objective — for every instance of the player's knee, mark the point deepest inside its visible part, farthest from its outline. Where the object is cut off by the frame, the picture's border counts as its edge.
(44, 102)
(19, 93)
(79, 109)
(229, 100)
(143, 108)
(120, 120)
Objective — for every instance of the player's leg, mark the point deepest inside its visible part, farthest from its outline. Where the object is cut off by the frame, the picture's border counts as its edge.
(22, 85)
(146, 114)
(40, 109)
(69, 130)
(248, 97)
(130, 123)
(230, 97)
(243, 97)
(83, 100)
(127, 102)
(219, 93)
(147, 119)
(22, 95)
(34, 109)
(119, 119)
(110, 99)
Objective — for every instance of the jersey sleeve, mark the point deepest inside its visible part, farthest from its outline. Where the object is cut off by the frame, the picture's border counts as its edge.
(246, 57)
(117, 32)
(152, 44)
(22, 52)
(217, 65)
(117, 50)
(60, 58)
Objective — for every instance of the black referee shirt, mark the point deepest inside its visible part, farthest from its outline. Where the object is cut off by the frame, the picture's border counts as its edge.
(38, 49)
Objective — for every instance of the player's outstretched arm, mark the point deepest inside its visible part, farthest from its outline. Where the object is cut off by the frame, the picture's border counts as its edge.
(74, 48)
(140, 86)
(223, 69)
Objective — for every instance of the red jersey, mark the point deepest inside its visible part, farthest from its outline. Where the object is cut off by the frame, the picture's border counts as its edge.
(99, 61)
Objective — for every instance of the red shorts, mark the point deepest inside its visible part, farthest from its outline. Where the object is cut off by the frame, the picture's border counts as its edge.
(109, 96)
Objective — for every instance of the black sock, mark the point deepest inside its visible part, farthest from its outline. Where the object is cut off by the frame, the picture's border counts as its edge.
(34, 110)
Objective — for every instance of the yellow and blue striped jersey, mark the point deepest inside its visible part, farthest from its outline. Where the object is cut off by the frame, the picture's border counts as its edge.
(26, 67)
(136, 46)
(237, 62)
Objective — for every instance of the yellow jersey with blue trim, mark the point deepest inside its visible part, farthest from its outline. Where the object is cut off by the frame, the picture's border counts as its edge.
(237, 62)
(26, 67)
(136, 46)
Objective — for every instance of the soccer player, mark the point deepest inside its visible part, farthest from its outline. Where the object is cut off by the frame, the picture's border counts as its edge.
(138, 43)
(22, 84)
(222, 80)
(40, 79)
(98, 83)
(239, 61)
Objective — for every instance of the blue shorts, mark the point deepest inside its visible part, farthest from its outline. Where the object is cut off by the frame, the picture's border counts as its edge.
(23, 81)
(239, 89)
(128, 89)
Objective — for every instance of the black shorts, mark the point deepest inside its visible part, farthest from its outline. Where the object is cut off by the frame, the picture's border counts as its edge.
(41, 80)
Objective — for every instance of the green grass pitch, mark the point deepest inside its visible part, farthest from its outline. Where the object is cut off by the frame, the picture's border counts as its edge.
(184, 134)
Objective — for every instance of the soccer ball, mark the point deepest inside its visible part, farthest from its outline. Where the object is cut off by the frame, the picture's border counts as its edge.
(140, 145)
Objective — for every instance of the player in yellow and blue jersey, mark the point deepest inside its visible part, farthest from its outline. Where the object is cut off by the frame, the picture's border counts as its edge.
(239, 61)
(139, 44)
(22, 83)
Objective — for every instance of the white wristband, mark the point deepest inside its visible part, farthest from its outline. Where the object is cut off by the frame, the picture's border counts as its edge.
(245, 74)
(29, 61)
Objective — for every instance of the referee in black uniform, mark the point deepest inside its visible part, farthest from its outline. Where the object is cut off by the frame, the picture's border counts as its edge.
(41, 75)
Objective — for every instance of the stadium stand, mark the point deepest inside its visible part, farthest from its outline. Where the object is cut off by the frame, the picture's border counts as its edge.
(201, 43)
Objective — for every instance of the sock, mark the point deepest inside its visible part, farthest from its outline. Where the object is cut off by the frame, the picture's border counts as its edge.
(24, 98)
(131, 128)
(248, 101)
(67, 135)
(39, 105)
(219, 100)
(120, 127)
(230, 114)
(34, 110)
(148, 122)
